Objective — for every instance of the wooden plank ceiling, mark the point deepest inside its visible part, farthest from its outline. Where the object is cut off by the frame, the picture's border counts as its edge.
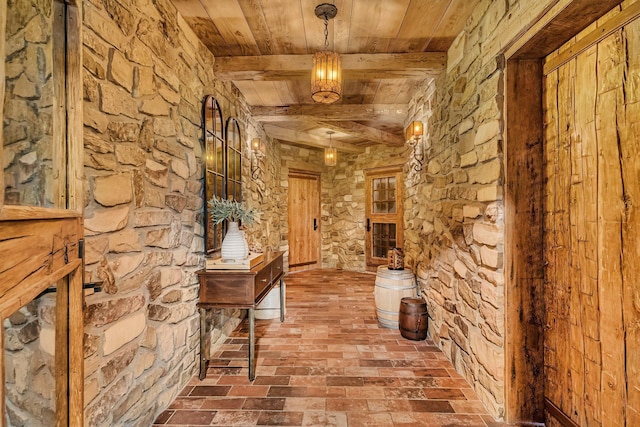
(388, 49)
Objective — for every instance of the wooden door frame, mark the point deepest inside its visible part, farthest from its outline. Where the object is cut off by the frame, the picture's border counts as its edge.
(394, 169)
(61, 227)
(523, 200)
(318, 177)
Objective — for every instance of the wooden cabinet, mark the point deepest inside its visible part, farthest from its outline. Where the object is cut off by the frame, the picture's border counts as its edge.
(238, 289)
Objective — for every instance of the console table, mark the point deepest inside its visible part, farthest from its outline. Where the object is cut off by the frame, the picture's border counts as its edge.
(238, 289)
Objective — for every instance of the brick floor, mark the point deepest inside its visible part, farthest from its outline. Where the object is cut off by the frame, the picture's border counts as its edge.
(328, 364)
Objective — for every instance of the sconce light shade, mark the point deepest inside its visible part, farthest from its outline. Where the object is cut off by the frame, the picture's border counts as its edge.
(330, 156)
(326, 77)
(257, 153)
(414, 131)
(413, 135)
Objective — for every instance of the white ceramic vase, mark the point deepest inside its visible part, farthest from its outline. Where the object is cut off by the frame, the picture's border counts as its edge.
(234, 244)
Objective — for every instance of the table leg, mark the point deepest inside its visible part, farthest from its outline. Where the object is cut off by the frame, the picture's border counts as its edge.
(252, 346)
(281, 300)
(204, 348)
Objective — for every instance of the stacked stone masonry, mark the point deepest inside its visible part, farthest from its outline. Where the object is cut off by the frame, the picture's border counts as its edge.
(454, 238)
(145, 76)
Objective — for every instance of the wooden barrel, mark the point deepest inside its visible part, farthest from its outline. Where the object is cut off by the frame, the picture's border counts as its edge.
(413, 318)
(391, 287)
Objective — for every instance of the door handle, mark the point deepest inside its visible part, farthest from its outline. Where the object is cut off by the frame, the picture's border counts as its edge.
(368, 224)
(315, 224)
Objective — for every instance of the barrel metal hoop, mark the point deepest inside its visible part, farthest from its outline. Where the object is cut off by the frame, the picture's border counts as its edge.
(414, 312)
(380, 310)
(404, 288)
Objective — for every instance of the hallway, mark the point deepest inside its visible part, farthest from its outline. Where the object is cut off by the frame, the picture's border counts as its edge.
(328, 364)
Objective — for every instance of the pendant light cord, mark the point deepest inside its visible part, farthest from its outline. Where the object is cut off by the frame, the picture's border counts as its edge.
(326, 32)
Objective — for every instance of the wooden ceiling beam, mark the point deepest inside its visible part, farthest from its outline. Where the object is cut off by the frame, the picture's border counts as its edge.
(323, 112)
(303, 138)
(355, 66)
(363, 131)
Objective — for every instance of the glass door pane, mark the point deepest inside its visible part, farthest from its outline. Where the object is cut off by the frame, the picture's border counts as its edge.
(384, 238)
(29, 356)
(33, 122)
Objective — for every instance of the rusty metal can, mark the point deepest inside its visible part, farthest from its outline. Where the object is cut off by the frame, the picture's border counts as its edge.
(395, 259)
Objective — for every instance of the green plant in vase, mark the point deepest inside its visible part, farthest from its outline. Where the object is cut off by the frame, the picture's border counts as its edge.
(234, 244)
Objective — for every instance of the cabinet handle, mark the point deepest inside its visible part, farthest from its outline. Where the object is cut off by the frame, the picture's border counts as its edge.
(368, 225)
(263, 280)
(315, 224)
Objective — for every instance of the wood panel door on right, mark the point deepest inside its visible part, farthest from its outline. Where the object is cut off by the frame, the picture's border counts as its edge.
(592, 234)
(384, 214)
(304, 221)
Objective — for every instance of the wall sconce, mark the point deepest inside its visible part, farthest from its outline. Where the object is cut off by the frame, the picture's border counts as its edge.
(257, 153)
(330, 153)
(413, 135)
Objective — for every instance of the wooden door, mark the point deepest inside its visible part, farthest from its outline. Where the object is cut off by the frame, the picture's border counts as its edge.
(384, 214)
(304, 221)
(592, 234)
(41, 230)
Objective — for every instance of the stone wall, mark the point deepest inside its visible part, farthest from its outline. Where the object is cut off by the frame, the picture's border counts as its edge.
(264, 191)
(454, 208)
(145, 76)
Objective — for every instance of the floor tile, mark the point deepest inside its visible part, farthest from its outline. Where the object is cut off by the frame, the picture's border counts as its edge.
(210, 390)
(249, 390)
(324, 418)
(265, 403)
(349, 405)
(236, 418)
(277, 418)
(223, 403)
(328, 364)
(305, 404)
(191, 417)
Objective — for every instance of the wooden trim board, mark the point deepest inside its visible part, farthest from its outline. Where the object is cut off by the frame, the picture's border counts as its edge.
(614, 24)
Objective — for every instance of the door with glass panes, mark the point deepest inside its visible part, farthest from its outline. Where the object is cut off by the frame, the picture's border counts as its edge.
(41, 214)
(384, 214)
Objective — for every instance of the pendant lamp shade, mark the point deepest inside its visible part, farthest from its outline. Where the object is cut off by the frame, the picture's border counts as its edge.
(330, 153)
(326, 75)
(330, 156)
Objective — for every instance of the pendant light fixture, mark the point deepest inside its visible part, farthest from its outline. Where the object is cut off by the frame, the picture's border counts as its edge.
(330, 153)
(326, 76)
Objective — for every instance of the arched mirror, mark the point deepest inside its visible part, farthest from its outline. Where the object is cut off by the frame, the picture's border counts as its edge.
(215, 165)
(234, 160)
